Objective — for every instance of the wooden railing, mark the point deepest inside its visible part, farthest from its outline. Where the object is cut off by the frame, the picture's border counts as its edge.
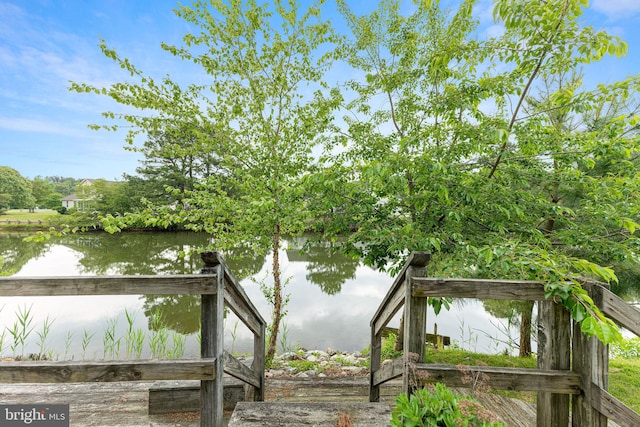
(216, 285)
(563, 382)
(21, 221)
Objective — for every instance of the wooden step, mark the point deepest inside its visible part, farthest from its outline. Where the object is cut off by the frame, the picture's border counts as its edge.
(167, 397)
(330, 414)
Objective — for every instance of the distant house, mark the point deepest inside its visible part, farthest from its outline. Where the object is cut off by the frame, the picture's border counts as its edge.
(73, 201)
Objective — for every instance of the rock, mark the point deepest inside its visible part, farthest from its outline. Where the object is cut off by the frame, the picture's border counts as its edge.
(290, 355)
(352, 370)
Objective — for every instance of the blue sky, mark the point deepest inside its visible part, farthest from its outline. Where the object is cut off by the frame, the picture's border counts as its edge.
(44, 44)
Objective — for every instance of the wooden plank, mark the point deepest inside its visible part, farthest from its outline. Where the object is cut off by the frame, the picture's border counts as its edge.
(258, 363)
(389, 371)
(612, 408)
(619, 310)
(554, 353)
(242, 308)
(392, 305)
(212, 346)
(478, 288)
(241, 305)
(237, 369)
(415, 326)
(167, 397)
(107, 371)
(125, 403)
(518, 379)
(262, 414)
(428, 337)
(108, 285)
(237, 298)
(418, 259)
(375, 357)
(591, 363)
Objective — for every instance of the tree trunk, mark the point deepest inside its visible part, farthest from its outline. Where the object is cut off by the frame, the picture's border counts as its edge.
(277, 297)
(525, 330)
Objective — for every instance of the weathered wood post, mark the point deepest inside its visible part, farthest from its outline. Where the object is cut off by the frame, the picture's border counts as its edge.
(591, 362)
(415, 320)
(375, 356)
(554, 353)
(211, 345)
(258, 362)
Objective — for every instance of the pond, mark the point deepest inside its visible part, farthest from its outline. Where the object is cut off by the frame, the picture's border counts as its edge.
(331, 300)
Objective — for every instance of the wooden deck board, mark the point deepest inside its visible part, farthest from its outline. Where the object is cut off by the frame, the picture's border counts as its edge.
(126, 403)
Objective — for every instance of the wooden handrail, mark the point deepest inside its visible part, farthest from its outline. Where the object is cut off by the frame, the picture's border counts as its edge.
(419, 259)
(216, 285)
(106, 371)
(477, 288)
(193, 284)
(584, 376)
(618, 309)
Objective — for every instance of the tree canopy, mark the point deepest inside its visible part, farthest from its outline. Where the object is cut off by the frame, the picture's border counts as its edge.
(491, 154)
(15, 190)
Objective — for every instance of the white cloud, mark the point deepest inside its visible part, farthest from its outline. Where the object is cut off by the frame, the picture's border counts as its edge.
(40, 126)
(495, 31)
(617, 8)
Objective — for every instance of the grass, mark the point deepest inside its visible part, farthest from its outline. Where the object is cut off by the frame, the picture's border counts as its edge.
(33, 221)
(624, 381)
(25, 215)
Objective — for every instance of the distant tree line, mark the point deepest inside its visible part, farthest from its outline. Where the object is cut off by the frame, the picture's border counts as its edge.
(18, 192)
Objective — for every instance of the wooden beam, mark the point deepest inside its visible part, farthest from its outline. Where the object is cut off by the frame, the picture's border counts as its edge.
(239, 303)
(591, 363)
(259, 362)
(478, 288)
(415, 326)
(613, 409)
(554, 353)
(428, 337)
(187, 284)
(389, 371)
(618, 309)
(212, 346)
(237, 369)
(392, 306)
(504, 378)
(416, 259)
(106, 371)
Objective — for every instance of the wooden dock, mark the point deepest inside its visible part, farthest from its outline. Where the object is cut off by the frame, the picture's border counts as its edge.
(126, 404)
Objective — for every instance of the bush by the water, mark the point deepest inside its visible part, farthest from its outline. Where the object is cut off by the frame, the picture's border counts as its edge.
(438, 406)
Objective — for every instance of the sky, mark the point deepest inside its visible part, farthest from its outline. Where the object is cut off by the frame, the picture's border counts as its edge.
(46, 44)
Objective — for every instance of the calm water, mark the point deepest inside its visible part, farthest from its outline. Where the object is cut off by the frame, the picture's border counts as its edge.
(332, 297)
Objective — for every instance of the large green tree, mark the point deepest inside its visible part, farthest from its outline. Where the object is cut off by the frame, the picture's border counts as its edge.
(448, 152)
(252, 112)
(175, 160)
(15, 190)
(43, 191)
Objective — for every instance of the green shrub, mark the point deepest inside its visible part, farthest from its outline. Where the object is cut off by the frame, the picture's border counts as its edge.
(388, 347)
(626, 349)
(438, 406)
